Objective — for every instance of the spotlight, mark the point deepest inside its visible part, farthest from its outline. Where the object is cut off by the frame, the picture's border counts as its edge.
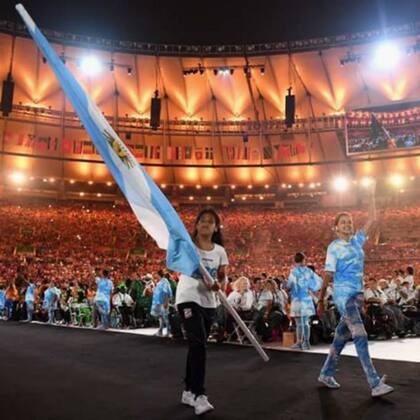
(129, 71)
(181, 187)
(396, 180)
(109, 183)
(163, 186)
(191, 198)
(266, 186)
(312, 185)
(18, 177)
(90, 182)
(208, 198)
(261, 197)
(233, 187)
(91, 66)
(99, 195)
(366, 182)
(386, 56)
(215, 187)
(52, 180)
(301, 184)
(81, 194)
(284, 185)
(341, 184)
(249, 187)
(198, 186)
(72, 181)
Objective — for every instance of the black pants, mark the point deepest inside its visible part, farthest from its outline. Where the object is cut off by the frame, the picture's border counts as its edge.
(197, 323)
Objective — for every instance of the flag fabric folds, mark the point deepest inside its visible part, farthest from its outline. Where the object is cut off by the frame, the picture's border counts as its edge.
(149, 204)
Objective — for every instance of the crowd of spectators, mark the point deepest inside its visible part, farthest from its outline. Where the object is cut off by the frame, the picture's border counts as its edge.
(61, 246)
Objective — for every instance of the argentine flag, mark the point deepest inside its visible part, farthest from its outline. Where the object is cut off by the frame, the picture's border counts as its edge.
(150, 206)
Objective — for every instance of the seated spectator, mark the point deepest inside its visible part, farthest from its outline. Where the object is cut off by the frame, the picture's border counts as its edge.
(125, 304)
(242, 300)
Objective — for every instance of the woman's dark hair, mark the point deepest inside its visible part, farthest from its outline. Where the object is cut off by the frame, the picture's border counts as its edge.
(299, 257)
(339, 216)
(217, 237)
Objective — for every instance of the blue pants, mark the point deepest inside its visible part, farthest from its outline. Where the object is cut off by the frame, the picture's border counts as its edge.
(351, 324)
(303, 331)
(29, 310)
(8, 306)
(104, 311)
(162, 314)
(51, 315)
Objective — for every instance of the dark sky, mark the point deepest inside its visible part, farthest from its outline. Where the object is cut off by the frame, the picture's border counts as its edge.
(212, 22)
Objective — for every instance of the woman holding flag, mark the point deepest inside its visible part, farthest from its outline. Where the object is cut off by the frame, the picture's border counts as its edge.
(196, 302)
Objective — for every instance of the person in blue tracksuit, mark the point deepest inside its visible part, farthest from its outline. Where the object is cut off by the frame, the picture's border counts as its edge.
(344, 268)
(301, 281)
(51, 298)
(102, 301)
(30, 300)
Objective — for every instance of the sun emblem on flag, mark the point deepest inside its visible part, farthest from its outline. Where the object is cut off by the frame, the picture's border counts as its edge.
(119, 149)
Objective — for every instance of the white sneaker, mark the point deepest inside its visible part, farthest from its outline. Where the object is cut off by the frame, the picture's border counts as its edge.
(329, 382)
(202, 405)
(188, 398)
(382, 388)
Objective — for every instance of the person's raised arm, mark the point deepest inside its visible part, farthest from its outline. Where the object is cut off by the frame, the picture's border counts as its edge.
(372, 221)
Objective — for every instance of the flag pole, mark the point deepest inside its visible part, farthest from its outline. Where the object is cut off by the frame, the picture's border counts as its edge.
(209, 281)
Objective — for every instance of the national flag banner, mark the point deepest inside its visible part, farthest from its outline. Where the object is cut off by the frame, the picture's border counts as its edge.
(149, 204)
(66, 145)
(300, 148)
(170, 153)
(199, 153)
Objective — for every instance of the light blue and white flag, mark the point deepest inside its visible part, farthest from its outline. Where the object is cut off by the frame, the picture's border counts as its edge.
(149, 204)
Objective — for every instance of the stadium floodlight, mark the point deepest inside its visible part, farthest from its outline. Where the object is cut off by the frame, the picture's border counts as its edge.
(396, 180)
(386, 56)
(366, 182)
(341, 184)
(18, 178)
(90, 65)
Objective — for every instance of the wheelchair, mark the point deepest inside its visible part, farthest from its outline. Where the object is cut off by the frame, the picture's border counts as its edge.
(413, 314)
(377, 322)
(115, 318)
(81, 314)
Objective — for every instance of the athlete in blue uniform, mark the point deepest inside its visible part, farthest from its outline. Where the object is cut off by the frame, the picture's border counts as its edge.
(104, 288)
(29, 301)
(344, 266)
(301, 280)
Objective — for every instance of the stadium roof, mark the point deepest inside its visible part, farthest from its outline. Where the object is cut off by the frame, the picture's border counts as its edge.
(228, 22)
